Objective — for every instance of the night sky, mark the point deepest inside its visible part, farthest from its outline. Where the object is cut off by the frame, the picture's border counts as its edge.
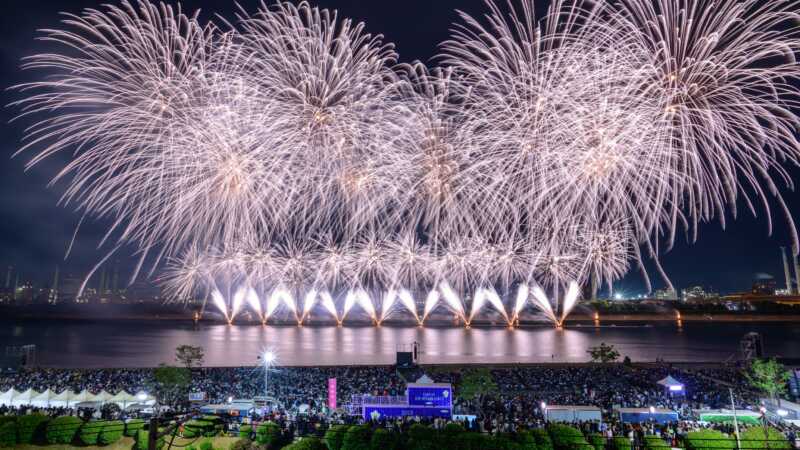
(35, 231)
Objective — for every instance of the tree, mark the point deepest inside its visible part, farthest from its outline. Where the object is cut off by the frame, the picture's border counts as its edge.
(603, 353)
(189, 356)
(477, 385)
(768, 376)
(172, 384)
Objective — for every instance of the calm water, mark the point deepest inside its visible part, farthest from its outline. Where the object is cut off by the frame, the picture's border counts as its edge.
(137, 344)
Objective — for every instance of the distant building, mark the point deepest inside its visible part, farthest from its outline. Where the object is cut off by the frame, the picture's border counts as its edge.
(666, 294)
(764, 286)
(699, 294)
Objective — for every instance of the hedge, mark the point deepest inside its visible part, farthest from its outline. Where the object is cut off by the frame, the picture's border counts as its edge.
(133, 426)
(655, 443)
(111, 432)
(206, 445)
(566, 437)
(141, 440)
(334, 437)
(753, 438)
(621, 443)
(8, 434)
(597, 441)
(31, 428)
(307, 444)
(269, 434)
(543, 441)
(709, 439)
(90, 432)
(526, 440)
(358, 438)
(383, 439)
(244, 431)
(62, 430)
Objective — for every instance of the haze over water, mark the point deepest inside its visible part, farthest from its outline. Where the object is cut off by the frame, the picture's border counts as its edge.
(76, 344)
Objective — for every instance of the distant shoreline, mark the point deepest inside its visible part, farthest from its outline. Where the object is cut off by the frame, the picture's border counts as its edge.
(575, 319)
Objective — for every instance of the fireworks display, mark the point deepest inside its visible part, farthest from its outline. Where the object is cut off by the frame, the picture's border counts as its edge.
(286, 162)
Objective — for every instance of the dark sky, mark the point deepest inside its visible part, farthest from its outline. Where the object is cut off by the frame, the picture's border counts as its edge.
(35, 231)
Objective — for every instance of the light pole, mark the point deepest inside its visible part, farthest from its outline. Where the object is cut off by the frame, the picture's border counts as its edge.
(269, 359)
(735, 419)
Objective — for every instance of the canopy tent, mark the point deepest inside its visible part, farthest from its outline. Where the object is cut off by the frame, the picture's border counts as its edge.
(103, 397)
(672, 385)
(81, 397)
(7, 396)
(45, 399)
(425, 379)
(64, 398)
(23, 398)
(123, 399)
(145, 398)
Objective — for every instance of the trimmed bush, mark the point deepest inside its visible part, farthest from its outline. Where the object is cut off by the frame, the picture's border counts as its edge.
(383, 439)
(505, 442)
(543, 441)
(526, 440)
(566, 437)
(753, 438)
(244, 431)
(206, 445)
(62, 430)
(334, 437)
(8, 433)
(621, 443)
(141, 440)
(358, 438)
(133, 426)
(90, 432)
(307, 444)
(597, 441)
(655, 443)
(269, 434)
(709, 439)
(31, 428)
(111, 432)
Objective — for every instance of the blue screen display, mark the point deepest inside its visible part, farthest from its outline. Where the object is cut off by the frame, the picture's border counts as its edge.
(441, 397)
(376, 412)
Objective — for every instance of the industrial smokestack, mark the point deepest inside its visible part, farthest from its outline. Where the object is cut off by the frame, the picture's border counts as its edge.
(786, 271)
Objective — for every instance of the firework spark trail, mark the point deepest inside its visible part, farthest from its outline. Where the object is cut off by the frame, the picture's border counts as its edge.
(287, 153)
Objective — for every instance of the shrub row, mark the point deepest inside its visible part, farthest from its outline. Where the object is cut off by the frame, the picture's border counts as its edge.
(65, 430)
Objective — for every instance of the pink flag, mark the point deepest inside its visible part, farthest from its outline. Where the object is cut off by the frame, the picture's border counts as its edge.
(332, 393)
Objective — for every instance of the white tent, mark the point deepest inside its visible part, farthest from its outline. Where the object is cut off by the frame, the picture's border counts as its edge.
(5, 397)
(45, 399)
(145, 398)
(672, 385)
(63, 399)
(103, 397)
(24, 398)
(123, 399)
(81, 397)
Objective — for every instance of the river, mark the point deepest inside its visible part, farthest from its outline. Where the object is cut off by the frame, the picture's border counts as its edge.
(69, 344)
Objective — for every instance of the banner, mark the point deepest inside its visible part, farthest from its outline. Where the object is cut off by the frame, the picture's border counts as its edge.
(332, 393)
(197, 396)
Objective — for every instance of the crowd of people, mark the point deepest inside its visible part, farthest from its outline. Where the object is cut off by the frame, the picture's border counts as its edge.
(514, 404)
(520, 389)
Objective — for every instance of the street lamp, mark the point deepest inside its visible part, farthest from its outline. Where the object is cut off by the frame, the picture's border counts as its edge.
(268, 358)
